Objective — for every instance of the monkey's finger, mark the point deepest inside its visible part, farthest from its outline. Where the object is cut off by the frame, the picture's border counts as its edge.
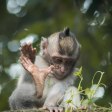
(24, 64)
(30, 47)
(51, 109)
(47, 108)
(56, 66)
(21, 49)
(26, 60)
(23, 59)
(29, 44)
(61, 110)
(55, 110)
(27, 64)
(50, 69)
(34, 50)
(24, 49)
(31, 50)
(21, 46)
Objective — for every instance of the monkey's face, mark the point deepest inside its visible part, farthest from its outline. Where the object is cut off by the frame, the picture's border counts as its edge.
(63, 66)
(61, 49)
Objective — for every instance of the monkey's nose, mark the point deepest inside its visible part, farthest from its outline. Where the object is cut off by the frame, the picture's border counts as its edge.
(62, 69)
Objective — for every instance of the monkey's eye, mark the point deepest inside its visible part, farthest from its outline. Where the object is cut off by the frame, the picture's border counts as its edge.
(69, 62)
(57, 60)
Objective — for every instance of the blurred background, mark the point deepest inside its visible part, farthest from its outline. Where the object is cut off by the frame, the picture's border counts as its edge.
(29, 20)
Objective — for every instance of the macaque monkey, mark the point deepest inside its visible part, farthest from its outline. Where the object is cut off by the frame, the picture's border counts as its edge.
(48, 76)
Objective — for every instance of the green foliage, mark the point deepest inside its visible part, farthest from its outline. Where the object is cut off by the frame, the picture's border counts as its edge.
(79, 74)
(91, 93)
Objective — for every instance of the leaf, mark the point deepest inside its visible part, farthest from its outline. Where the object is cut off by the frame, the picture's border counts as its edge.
(69, 101)
(79, 72)
(87, 90)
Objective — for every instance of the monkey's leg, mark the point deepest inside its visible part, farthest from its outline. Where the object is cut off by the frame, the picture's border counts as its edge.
(24, 97)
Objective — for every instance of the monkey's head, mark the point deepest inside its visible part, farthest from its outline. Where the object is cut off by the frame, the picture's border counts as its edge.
(62, 50)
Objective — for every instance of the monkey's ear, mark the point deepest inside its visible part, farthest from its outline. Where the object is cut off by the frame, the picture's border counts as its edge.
(44, 43)
(66, 31)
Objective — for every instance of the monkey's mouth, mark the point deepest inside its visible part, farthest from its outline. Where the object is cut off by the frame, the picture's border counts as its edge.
(59, 75)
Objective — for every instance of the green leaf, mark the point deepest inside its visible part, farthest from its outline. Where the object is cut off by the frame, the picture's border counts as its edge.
(69, 101)
(79, 72)
(87, 90)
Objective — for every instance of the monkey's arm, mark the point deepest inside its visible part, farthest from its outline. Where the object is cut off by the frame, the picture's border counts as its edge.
(54, 98)
(38, 75)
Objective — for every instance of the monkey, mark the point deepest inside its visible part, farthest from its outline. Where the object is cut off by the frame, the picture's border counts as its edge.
(48, 75)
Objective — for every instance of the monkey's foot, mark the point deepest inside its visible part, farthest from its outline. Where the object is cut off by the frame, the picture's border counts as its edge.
(53, 109)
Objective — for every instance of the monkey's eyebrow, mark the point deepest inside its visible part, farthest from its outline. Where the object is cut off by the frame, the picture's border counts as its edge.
(65, 58)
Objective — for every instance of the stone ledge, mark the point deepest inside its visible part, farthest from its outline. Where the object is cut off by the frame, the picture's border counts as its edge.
(28, 110)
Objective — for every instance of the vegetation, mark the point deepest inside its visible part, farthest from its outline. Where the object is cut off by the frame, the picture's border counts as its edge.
(90, 94)
(91, 20)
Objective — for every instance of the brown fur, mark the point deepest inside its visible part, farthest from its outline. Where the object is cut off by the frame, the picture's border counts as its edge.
(67, 45)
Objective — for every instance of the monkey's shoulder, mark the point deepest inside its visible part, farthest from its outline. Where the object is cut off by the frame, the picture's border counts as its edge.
(76, 69)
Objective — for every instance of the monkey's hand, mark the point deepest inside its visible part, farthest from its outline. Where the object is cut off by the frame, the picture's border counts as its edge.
(28, 51)
(53, 108)
(38, 75)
